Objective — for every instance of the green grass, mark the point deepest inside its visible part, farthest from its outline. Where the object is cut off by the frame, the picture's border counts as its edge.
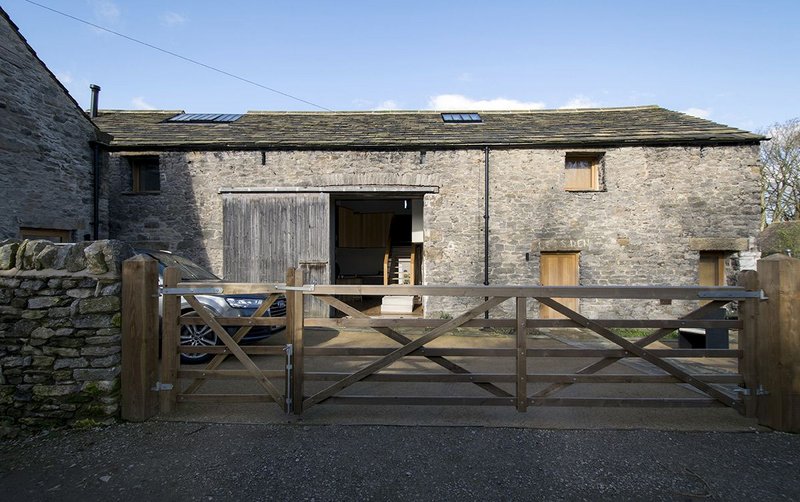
(641, 333)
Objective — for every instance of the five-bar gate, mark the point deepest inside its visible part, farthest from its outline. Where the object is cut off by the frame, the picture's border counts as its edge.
(295, 389)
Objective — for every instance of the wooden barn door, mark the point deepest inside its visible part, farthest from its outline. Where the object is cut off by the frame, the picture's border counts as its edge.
(559, 269)
(264, 234)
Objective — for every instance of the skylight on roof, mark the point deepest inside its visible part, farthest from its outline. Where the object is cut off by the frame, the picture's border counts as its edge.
(205, 118)
(461, 117)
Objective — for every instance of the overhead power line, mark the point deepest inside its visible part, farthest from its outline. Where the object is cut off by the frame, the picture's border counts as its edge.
(190, 60)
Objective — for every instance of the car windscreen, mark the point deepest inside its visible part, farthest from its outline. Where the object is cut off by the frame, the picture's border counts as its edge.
(190, 271)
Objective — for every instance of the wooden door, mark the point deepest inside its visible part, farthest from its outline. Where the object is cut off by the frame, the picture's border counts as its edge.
(559, 269)
(264, 234)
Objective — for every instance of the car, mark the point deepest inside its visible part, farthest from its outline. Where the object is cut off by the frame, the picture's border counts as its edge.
(240, 305)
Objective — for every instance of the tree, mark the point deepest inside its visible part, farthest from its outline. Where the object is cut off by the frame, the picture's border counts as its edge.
(780, 173)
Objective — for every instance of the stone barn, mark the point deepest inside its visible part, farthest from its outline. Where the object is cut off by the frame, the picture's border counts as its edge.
(639, 195)
(51, 168)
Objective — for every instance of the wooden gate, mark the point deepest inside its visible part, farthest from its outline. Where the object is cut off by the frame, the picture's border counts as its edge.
(180, 384)
(517, 394)
(766, 379)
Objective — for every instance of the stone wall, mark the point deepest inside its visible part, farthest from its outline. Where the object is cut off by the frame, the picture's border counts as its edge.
(659, 207)
(45, 155)
(60, 336)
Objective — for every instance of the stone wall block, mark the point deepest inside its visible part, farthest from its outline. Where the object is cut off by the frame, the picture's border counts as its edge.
(26, 255)
(42, 333)
(86, 374)
(93, 321)
(76, 260)
(101, 304)
(48, 258)
(106, 362)
(100, 351)
(43, 302)
(95, 258)
(70, 362)
(80, 293)
(8, 255)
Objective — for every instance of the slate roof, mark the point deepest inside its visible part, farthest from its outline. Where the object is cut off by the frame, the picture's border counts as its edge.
(645, 125)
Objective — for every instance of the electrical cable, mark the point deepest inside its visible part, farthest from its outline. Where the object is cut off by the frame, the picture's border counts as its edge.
(190, 60)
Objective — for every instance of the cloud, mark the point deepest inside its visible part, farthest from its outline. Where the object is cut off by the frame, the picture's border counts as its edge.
(105, 11)
(459, 102)
(138, 103)
(701, 113)
(64, 77)
(580, 101)
(170, 19)
(389, 104)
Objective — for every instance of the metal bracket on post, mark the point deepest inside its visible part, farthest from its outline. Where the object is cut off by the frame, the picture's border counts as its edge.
(760, 391)
(158, 387)
(289, 349)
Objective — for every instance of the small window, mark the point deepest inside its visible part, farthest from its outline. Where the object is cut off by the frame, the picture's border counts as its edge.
(582, 171)
(145, 177)
(50, 234)
(462, 118)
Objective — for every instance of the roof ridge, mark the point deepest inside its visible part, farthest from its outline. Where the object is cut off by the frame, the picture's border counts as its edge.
(458, 110)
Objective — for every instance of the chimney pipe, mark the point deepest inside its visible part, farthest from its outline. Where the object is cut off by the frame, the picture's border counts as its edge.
(95, 95)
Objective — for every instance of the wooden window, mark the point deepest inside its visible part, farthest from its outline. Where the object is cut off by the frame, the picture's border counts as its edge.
(50, 234)
(711, 270)
(145, 176)
(559, 269)
(582, 171)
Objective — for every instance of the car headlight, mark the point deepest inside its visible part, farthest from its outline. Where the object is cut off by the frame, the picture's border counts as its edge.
(244, 303)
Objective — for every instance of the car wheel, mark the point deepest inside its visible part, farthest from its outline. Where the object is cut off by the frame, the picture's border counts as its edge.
(197, 335)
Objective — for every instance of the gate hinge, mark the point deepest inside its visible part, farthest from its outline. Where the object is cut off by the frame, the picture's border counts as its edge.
(760, 391)
(158, 387)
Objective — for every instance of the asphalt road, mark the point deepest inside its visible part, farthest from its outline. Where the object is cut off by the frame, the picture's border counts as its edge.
(197, 461)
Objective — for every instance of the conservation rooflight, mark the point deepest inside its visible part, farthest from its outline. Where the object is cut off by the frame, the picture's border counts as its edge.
(205, 117)
(461, 117)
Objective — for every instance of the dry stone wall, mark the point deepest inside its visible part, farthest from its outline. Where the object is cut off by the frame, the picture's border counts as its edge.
(60, 336)
(659, 207)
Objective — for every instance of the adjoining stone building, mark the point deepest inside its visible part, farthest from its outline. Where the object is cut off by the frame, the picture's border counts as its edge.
(50, 169)
(639, 195)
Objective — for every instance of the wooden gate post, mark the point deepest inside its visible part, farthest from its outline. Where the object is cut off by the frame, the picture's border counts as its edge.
(170, 335)
(522, 354)
(294, 327)
(139, 338)
(748, 343)
(779, 343)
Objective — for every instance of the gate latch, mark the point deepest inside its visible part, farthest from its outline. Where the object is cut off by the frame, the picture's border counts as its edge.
(158, 387)
(307, 287)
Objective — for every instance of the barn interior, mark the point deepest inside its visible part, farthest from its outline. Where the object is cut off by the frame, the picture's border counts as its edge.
(378, 241)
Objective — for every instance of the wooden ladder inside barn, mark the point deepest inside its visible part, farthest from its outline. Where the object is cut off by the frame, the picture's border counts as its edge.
(399, 267)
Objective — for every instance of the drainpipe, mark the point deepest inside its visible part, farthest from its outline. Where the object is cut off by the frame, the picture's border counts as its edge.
(95, 167)
(95, 190)
(486, 222)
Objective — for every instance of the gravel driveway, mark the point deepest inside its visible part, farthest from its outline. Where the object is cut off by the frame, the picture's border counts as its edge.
(196, 461)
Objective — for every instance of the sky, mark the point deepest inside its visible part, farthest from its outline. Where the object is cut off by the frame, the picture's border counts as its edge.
(733, 62)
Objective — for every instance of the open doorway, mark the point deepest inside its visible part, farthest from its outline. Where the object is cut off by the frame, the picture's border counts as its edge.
(378, 240)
